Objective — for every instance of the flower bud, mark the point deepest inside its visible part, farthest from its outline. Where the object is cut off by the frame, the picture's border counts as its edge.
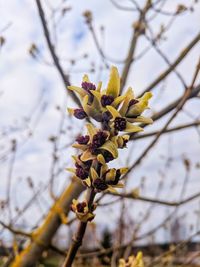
(82, 211)
(80, 114)
(83, 140)
(106, 100)
(136, 108)
(100, 185)
(120, 124)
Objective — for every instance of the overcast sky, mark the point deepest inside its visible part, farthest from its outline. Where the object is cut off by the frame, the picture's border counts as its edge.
(28, 86)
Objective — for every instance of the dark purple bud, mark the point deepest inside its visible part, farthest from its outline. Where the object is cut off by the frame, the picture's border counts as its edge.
(100, 184)
(99, 139)
(81, 173)
(107, 156)
(120, 124)
(80, 207)
(88, 86)
(83, 140)
(87, 164)
(77, 165)
(80, 114)
(106, 100)
(132, 102)
(106, 116)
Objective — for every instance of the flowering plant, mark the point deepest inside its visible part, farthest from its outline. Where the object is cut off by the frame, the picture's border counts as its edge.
(133, 261)
(118, 115)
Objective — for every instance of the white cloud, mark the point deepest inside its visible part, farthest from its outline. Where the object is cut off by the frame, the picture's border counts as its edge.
(22, 81)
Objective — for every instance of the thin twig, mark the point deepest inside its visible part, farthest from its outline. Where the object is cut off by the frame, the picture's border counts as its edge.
(174, 129)
(157, 201)
(51, 47)
(180, 105)
(133, 43)
(178, 60)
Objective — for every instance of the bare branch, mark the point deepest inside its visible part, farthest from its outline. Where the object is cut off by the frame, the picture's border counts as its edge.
(157, 201)
(133, 43)
(174, 129)
(55, 58)
(178, 60)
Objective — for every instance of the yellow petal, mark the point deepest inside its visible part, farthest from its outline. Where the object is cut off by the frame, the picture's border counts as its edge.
(97, 100)
(104, 169)
(87, 108)
(119, 185)
(118, 100)
(130, 128)
(76, 159)
(91, 130)
(114, 139)
(87, 155)
(85, 217)
(110, 176)
(113, 111)
(129, 95)
(87, 182)
(139, 259)
(99, 87)
(111, 147)
(126, 137)
(78, 90)
(86, 78)
(123, 170)
(96, 94)
(93, 173)
(70, 111)
(138, 108)
(103, 92)
(146, 96)
(71, 170)
(111, 189)
(122, 263)
(114, 83)
(141, 119)
(79, 146)
(93, 110)
(74, 201)
(101, 159)
(120, 141)
(139, 255)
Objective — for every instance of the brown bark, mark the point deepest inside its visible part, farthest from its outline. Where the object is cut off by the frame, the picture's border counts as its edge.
(43, 235)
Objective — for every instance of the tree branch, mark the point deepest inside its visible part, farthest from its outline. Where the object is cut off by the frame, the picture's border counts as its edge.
(157, 201)
(180, 105)
(133, 44)
(165, 73)
(177, 128)
(51, 47)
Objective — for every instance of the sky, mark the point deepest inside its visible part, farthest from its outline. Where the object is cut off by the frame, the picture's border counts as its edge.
(30, 91)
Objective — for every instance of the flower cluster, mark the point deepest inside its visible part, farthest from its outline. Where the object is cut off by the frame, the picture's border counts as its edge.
(132, 261)
(82, 211)
(119, 115)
